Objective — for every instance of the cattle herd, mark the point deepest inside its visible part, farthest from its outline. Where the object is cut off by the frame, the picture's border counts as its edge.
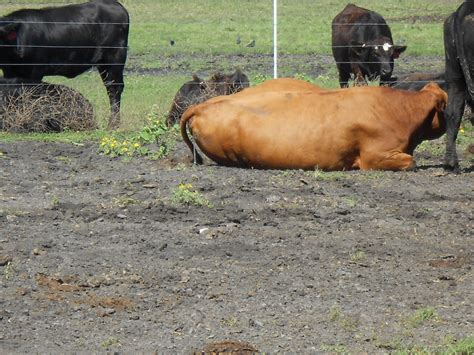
(282, 123)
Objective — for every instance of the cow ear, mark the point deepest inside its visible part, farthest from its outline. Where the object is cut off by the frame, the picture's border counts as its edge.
(9, 31)
(441, 96)
(397, 50)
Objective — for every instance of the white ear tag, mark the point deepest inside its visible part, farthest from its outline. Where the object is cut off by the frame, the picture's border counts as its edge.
(387, 46)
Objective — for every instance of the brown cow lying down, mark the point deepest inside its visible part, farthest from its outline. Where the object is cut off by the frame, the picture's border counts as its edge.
(358, 128)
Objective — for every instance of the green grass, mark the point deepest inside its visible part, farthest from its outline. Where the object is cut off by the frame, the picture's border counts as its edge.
(205, 32)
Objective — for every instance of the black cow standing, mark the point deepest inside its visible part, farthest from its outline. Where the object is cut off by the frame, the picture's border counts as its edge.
(459, 73)
(362, 45)
(67, 41)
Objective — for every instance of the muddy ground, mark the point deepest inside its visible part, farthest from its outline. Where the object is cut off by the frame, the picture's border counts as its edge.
(95, 254)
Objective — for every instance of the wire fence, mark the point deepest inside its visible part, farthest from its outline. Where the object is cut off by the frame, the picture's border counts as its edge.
(167, 46)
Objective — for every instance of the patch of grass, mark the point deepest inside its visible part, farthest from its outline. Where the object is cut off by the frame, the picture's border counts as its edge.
(450, 346)
(110, 342)
(351, 201)
(336, 315)
(358, 256)
(8, 271)
(77, 138)
(422, 316)
(139, 144)
(124, 201)
(54, 202)
(229, 322)
(462, 347)
(185, 194)
(334, 349)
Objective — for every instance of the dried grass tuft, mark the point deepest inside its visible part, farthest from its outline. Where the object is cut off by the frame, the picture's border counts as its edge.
(45, 108)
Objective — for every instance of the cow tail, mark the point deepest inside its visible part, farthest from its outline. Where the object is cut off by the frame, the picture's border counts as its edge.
(187, 115)
(466, 8)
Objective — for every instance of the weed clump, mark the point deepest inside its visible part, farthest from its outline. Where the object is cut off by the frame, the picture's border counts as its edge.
(140, 144)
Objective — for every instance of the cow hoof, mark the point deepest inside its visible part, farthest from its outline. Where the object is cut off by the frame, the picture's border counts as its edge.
(452, 168)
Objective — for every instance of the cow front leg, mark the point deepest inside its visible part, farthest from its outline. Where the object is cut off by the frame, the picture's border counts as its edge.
(344, 76)
(454, 112)
(394, 161)
(112, 77)
(359, 78)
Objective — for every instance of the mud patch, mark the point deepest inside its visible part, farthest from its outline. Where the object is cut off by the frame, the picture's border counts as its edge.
(100, 256)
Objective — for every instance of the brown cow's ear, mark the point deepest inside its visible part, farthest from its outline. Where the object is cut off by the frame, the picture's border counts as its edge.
(397, 50)
(441, 96)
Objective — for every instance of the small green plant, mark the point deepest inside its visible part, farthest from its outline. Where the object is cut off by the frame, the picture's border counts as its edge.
(260, 78)
(335, 349)
(54, 202)
(351, 201)
(423, 315)
(302, 76)
(185, 194)
(346, 322)
(110, 342)
(124, 201)
(462, 347)
(335, 313)
(358, 256)
(229, 322)
(139, 144)
(8, 271)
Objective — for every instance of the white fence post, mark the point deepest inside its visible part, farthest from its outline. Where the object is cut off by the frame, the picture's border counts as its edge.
(275, 37)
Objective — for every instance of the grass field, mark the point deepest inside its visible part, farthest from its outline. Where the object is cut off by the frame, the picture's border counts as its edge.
(205, 35)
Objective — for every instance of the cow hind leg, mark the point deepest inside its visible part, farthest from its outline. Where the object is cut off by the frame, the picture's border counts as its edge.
(389, 161)
(112, 77)
(453, 114)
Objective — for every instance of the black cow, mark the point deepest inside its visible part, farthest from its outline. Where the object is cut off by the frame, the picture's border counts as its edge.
(362, 45)
(67, 41)
(28, 106)
(416, 81)
(459, 71)
(197, 91)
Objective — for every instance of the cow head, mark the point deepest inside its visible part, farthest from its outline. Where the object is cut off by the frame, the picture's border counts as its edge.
(237, 82)
(440, 100)
(223, 84)
(377, 57)
(9, 32)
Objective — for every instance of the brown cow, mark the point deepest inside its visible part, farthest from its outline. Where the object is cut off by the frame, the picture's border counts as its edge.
(359, 128)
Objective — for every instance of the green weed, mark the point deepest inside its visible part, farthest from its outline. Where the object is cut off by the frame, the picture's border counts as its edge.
(140, 144)
(8, 271)
(346, 322)
(110, 342)
(358, 256)
(335, 349)
(422, 316)
(185, 194)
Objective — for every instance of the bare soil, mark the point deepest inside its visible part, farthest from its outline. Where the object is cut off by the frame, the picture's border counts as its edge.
(95, 255)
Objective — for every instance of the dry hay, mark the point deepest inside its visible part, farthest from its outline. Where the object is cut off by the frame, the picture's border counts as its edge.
(45, 108)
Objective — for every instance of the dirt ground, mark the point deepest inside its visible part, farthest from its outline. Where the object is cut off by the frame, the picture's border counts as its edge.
(95, 254)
